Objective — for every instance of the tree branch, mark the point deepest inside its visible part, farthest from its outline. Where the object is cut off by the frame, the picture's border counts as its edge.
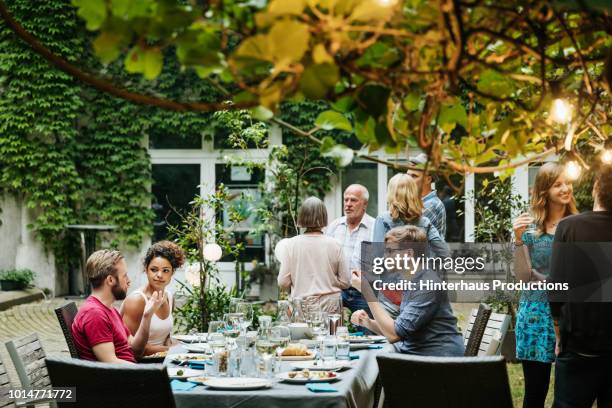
(107, 87)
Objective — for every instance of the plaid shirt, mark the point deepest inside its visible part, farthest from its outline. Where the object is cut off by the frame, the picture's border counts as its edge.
(435, 211)
(351, 241)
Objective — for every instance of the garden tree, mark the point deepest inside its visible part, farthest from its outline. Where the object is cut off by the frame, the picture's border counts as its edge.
(470, 82)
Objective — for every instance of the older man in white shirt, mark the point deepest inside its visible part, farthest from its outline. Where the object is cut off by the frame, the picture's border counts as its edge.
(351, 229)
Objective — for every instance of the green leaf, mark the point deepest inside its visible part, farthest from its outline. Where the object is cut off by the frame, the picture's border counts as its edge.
(494, 83)
(341, 154)
(282, 7)
(288, 41)
(450, 116)
(134, 61)
(374, 99)
(365, 129)
(92, 11)
(153, 62)
(317, 80)
(412, 102)
(369, 10)
(107, 46)
(261, 113)
(327, 143)
(329, 120)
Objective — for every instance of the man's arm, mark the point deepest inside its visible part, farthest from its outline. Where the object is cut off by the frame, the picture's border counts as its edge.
(105, 352)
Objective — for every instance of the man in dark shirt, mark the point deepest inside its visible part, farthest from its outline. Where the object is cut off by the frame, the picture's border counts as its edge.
(583, 315)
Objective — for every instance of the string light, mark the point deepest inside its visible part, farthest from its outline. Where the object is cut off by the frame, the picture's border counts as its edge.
(606, 156)
(386, 3)
(561, 111)
(212, 252)
(573, 170)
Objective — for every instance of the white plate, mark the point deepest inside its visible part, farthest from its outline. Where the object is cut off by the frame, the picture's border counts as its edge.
(359, 346)
(360, 339)
(190, 338)
(231, 383)
(179, 358)
(298, 358)
(310, 343)
(197, 347)
(187, 372)
(378, 339)
(320, 365)
(298, 379)
(198, 380)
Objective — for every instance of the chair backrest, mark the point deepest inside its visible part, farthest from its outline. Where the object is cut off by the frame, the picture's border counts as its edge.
(29, 360)
(65, 316)
(112, 385)
(5, 386)
(444, 382)
(494, 334)
(475, 329)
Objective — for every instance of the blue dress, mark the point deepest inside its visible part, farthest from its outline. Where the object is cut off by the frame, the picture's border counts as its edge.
(535, 332)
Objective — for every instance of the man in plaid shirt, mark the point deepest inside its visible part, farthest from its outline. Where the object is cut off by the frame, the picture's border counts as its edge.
(433, 208)
(351, 229)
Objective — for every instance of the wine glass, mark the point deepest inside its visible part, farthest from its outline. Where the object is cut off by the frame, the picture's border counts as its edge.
(215, 326)
(266, 350)
(283, 316)
(246, 309)
(232, 325)
(233, 304)
(280, 336)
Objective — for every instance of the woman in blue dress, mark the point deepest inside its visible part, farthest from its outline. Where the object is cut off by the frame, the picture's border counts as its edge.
(552, 199)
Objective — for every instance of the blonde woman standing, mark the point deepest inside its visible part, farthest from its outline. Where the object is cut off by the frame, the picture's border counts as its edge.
(312, 264)
(406, 208)
(552, 199)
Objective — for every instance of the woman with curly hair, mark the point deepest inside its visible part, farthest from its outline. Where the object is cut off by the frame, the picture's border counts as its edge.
(161, 261)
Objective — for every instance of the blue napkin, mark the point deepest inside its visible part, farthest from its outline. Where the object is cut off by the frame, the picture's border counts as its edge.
(320, 387)
(373, 347)
(199, 365)
(354, 356)
(178, 385)
(357, 333)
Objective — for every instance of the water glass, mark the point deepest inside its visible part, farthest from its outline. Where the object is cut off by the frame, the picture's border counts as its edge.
(343, 349)
(342, 332)
(328, 349)
(215, 326)
(334, 321)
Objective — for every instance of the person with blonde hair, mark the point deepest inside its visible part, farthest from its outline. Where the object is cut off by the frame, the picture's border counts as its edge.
(406, 208)
(312, 265)
(425, 324)
(552, 199)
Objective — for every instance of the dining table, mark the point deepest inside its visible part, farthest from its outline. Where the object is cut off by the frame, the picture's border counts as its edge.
(355, 388)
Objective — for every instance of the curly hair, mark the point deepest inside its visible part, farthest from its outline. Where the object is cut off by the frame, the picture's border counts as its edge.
(545, 179)
(603, 191)
(403, 198)
(167, 250)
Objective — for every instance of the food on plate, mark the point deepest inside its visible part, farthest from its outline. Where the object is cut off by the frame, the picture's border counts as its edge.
(158, 354)
(295, 350)
(180, 373)
(292, 374)
(312, 375)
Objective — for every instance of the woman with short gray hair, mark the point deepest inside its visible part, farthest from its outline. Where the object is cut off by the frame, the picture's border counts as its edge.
(312, 264)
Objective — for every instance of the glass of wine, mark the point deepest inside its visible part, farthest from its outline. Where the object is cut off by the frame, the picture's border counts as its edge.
(266, 349)
(280, 336)
(246, 309)
(232, 325)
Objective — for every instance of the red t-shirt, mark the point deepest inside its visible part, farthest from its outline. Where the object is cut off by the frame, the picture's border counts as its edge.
(96, 323)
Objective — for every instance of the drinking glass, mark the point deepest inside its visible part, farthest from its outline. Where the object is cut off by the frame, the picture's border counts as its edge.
(343, 349)
(532, 228)
(342, 332)
(215, 326)
(266, 350)
(247, 315)
(334, 321)
(280, 336)
(283, 316)
(232, 325)
(328, 349)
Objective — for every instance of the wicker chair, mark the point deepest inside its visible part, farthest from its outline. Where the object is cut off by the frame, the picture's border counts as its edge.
(65, 316)
(111, 385)
(444, 382)
(5, 385)
(476, 330)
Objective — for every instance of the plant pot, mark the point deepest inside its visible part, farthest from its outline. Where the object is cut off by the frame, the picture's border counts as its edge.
(12, 285)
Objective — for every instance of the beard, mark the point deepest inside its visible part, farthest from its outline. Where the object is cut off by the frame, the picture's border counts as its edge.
(118, 292)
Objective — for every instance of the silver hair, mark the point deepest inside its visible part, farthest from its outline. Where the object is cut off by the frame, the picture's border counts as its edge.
(364, 190)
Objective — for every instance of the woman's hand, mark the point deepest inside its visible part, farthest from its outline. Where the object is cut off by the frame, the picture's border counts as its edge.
(520, 224)
(356, 279)
(154, 303)
(360, 318)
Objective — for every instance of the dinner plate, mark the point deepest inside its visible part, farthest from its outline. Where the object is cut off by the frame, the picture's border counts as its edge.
(190, 338)
(359, 346)
(378, 339)
(360, 339)
(197, 347)
(179, 358)
(313, 377)
(173, 372)
(198, 380)
(234, 383)
(318, 365)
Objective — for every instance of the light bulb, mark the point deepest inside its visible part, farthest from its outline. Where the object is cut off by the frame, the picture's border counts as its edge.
(606, 156)
(572, 169)
(386, 3)
(212, 252)
(192, 274)
(561, 111)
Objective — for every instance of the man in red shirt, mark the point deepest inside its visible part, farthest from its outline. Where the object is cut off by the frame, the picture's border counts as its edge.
(98, 330)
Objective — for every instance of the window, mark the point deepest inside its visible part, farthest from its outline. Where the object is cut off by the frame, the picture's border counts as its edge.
(174, 187)
(242, 185)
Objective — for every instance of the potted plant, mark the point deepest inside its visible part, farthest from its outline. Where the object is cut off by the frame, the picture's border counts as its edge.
(17, 279)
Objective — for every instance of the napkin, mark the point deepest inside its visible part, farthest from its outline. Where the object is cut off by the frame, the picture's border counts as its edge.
(354, 356)
(374, 347)
(199, 365)
(357, 333)
(177, 385)
(320, 387)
